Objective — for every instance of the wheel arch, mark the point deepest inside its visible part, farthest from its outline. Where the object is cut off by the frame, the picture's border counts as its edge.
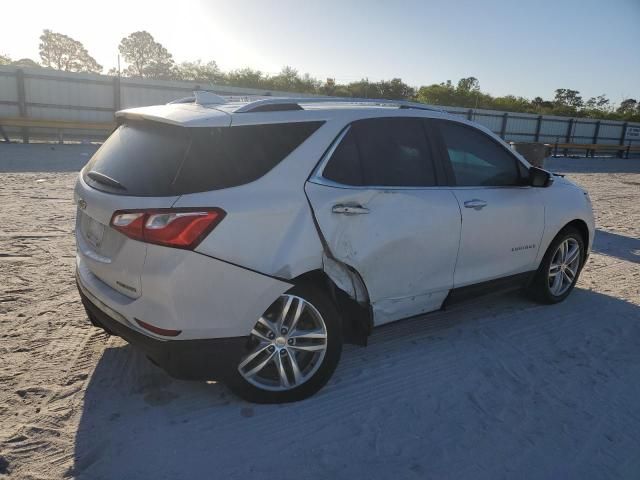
(355, 314)
(582, 227)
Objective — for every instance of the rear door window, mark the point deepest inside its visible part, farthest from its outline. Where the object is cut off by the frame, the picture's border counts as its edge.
(344, 166)
(388, 152)
(153, 159)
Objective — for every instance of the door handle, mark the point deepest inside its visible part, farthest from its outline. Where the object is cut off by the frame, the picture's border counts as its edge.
(476, 204)
(350, 209)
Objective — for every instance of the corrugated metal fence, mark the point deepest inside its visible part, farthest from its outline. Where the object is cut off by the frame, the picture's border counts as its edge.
(45, 94)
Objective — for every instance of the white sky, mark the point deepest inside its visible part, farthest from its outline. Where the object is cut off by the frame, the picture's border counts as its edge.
(511, 46)
(191, 32)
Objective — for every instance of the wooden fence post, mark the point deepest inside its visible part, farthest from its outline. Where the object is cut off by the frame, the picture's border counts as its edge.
(624, 134)
(567, 137)
(117, 98)
(596, 132)
(22, 102)
(503, 129)
(538, 128)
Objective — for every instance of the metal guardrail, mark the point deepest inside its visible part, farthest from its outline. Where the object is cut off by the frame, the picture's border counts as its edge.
(30, 95)
(590, 149)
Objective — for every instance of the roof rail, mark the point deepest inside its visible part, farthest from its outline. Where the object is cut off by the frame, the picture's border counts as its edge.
(273, 104)
(183, 100)
(294, 103)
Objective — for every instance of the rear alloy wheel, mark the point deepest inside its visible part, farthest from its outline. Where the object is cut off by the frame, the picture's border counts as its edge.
(560, 268)
(293, 349)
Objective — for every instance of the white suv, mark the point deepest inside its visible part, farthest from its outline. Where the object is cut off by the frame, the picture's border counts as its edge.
(245, 242)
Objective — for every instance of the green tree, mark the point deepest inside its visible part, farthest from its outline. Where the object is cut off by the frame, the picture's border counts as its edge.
(601, 102)
(540, 105)
(511, 103)
(5, 59)
(599, 106)
(394, 89)
(469, 84)
(309, 84)
(567, 101)
(248, 78)
(289, 79)
(333, 89)
(62, 52)
(362, 89)
(329, 87)
(200, 72)
(439, 94)
(26, 62)
(146, 57)
(537, 102)
(627, 107)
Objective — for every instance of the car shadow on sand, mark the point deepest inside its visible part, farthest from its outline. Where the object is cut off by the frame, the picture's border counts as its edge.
(593, 165)
(491, 389)
(44, 157)
(616, 245)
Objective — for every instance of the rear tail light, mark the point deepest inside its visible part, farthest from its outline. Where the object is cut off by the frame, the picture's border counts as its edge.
(170, 227)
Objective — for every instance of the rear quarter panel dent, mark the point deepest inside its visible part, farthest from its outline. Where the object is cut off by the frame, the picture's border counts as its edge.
(204, 297)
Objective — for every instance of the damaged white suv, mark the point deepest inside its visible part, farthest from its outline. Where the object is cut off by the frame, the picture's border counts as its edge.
(246, 241)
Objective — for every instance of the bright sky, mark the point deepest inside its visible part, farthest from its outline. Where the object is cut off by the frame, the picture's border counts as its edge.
(520, 47)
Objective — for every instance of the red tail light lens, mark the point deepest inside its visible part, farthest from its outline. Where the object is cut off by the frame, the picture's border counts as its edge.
(129, 223)
(158, 330)
(177, 228)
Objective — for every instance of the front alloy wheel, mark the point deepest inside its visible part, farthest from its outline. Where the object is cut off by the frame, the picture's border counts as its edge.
(293, 348)
(564, 266)
(560, 267)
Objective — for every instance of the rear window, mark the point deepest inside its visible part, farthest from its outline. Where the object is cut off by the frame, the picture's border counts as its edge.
(154, 159)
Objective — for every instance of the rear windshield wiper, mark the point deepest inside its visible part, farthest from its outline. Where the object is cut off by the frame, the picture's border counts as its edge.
(105, 180)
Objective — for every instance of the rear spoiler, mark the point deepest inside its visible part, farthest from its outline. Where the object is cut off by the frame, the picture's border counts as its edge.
(178, 114)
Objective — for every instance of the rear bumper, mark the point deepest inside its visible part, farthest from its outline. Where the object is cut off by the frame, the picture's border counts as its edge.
(202, 297)
(202, 359)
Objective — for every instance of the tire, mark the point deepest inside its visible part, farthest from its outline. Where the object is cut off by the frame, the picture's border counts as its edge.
(316, 357)
(544, 286)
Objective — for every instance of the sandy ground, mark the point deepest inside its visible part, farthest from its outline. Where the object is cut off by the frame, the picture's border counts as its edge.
(502, 388)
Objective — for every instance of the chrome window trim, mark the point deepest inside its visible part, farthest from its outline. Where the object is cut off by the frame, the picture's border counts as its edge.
(317, 177)
(319, 180)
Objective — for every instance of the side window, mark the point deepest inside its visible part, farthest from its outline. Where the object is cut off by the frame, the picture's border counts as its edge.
(390, 152)
(344, 165)
(394, 152)
(476, 159)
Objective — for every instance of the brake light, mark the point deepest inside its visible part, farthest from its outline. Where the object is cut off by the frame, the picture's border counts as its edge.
(177, 228)
(131, 224)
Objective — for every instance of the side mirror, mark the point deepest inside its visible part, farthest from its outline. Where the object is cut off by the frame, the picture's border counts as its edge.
(539, 177)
